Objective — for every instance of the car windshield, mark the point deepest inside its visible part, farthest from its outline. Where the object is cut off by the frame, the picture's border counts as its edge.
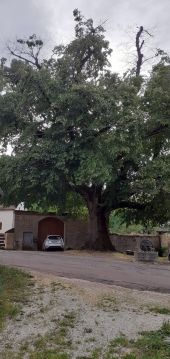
(54, 238)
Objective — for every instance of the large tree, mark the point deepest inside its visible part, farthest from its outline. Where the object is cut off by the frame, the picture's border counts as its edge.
(77, 128)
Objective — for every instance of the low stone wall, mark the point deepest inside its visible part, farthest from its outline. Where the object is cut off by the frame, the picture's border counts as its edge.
(150, 257)
(124, 242)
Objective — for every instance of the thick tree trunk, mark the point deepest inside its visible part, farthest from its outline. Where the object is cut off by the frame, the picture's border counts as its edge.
(99, 238)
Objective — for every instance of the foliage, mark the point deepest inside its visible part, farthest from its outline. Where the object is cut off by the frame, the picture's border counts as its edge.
(78, 129)
(117, 224)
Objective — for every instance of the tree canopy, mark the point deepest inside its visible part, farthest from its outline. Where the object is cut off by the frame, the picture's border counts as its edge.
(80, 131)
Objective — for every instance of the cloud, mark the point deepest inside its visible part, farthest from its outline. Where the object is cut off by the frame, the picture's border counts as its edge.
(20, 18)
(53, 20)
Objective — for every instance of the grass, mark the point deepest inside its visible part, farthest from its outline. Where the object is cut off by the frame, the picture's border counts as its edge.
(14, 290)
(108, 303)
(54, 342)
(68, 320)
(49, 354)
(119, 341)
(160, 310)
(150, 345)
(57, 286)
(96, 354)
(90, 340)
(154, 344)
(115, 346)
(54, 345)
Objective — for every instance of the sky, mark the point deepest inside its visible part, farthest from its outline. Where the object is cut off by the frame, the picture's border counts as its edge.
(52, 20)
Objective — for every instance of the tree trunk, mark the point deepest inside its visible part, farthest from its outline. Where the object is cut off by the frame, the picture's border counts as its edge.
(99, 238)
(98, 231)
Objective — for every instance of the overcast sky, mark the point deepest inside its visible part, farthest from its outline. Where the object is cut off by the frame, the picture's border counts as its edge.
(52, 20)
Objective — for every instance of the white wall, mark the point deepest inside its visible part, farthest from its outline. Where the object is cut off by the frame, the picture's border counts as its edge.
(7, 219)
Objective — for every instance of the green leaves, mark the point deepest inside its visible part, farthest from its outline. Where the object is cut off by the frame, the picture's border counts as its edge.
(76, 128)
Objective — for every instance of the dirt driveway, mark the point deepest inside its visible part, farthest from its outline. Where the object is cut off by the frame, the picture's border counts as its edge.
(97, 268)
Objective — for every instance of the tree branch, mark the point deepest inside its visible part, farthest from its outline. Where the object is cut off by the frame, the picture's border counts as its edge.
(131, 205)
(139, 52)
(34, 63)
(158, 130)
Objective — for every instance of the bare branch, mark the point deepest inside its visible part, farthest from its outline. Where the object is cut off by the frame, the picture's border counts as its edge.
(28, 50)
(139, 52)
(147, 32)
(149, 58)
(24, 58)
(139, 46)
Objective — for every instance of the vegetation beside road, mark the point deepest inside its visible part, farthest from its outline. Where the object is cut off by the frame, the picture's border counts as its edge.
(150, 345)
(14, 285)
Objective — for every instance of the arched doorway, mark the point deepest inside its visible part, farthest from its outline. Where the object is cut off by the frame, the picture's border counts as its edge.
(49, 225)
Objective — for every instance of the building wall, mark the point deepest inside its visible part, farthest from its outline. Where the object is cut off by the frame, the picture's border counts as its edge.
(165, 240)
(9, 241)
(76, 234)
(7, 219)
(124, 242)
(26, 222)
(75, 231)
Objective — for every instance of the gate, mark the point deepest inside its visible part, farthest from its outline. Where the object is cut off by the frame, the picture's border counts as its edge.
(49, 225)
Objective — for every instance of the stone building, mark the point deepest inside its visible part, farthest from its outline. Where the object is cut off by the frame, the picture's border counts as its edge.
(27, 229)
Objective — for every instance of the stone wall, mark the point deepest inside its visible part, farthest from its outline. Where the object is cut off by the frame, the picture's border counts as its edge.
(165, 240)
(123, 242)
(26, 222)
(150, 257)
(75, 231)
(76, 234)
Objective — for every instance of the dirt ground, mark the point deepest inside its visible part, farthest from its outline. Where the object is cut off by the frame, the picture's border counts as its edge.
(88, 314)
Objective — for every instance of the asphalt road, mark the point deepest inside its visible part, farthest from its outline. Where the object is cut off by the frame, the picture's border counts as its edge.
(98, 268)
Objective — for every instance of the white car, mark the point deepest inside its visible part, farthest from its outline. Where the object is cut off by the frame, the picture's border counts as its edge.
(53, 241)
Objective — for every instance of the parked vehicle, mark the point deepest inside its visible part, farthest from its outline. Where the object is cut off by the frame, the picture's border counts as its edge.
(53, 241)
